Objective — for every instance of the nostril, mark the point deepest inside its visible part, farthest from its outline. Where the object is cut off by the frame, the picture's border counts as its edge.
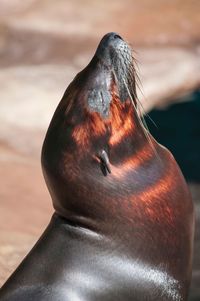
(116, 36)
(111, 39)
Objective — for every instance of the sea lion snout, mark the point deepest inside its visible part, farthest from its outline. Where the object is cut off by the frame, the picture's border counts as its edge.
(109, 43)
(116, 54)
(111, 72)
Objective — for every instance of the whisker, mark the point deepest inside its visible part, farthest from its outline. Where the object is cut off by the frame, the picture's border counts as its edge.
(145, 131)
(140, 88)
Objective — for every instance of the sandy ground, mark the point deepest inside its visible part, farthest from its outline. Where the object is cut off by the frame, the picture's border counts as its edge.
(25, 208)
(43, 44)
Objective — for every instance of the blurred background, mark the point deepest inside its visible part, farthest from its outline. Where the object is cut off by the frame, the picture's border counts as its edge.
(43, 44)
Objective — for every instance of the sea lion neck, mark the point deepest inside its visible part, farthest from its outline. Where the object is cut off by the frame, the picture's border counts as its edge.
(93, 137)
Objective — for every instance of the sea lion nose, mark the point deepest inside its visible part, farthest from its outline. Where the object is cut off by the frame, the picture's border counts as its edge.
(109, 38)
(110, 41)
(112, 36)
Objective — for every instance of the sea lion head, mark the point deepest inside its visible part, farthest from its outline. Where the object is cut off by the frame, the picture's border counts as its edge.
(93, 132)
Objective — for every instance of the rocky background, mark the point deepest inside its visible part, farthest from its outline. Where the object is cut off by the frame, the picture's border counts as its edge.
(43, 44)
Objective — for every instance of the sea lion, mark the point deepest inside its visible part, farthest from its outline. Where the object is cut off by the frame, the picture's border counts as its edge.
(123, 222)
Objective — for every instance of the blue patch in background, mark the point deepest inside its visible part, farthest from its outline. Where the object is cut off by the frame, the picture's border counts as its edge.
(178, 128)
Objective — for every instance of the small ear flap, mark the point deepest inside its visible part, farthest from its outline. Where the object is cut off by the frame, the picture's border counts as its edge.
(99, 101)
(105, 164)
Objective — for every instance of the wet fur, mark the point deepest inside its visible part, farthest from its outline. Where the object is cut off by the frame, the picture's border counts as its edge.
(122, 235)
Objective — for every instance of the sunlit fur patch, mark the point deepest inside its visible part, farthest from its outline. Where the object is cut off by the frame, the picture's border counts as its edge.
(167, 215)
(119, 124)
(92, 126)
(159, 189)
(151, 203)
(122, 120)
(140, 157)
